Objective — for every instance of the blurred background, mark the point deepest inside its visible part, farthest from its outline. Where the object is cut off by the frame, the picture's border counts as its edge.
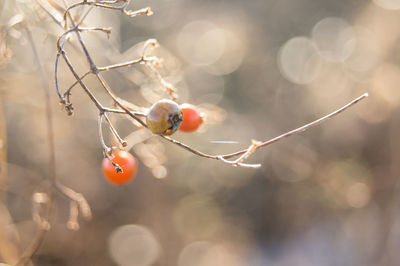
(328, 196)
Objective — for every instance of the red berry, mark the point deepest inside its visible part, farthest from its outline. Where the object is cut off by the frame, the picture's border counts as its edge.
(192, 118)
(128, 164)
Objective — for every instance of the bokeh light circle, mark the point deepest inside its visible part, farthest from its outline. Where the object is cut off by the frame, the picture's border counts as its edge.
(220, 50)
(201, 43)
(388, 4)
(333, 37)
(299, 60)
(203, 253)
(133, 245)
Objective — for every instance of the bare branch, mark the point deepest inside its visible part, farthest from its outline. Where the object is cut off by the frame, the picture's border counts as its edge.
(119, 111)
(107, 150)
(114, 131)
(302, 128)
(125, 64)
(86, 89)
(268, 142)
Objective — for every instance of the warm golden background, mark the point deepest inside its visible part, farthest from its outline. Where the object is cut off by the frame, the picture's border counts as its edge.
(329, 196)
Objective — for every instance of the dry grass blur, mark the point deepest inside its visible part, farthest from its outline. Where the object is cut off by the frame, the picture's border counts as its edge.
(329, 196)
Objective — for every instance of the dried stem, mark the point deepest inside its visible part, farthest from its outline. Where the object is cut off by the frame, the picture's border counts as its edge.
(268, 142)
(110, 5)
(119, 111)
(302, 128)
(114, 131)
(107, 150)
(125, 64)
(85, 88)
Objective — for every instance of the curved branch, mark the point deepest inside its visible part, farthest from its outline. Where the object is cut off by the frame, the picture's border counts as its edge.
(268, 142)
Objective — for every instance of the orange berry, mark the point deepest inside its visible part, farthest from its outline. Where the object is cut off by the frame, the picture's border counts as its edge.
(192, 118)
(128, 164)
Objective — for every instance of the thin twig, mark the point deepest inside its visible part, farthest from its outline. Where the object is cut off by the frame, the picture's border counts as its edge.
(67, 93)
(86, 89)
(302, 128)
(125, 64)
(114, 131)
(108, 5)
(171, 90)
(107, 150)
(119, 111)
(273, 140)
